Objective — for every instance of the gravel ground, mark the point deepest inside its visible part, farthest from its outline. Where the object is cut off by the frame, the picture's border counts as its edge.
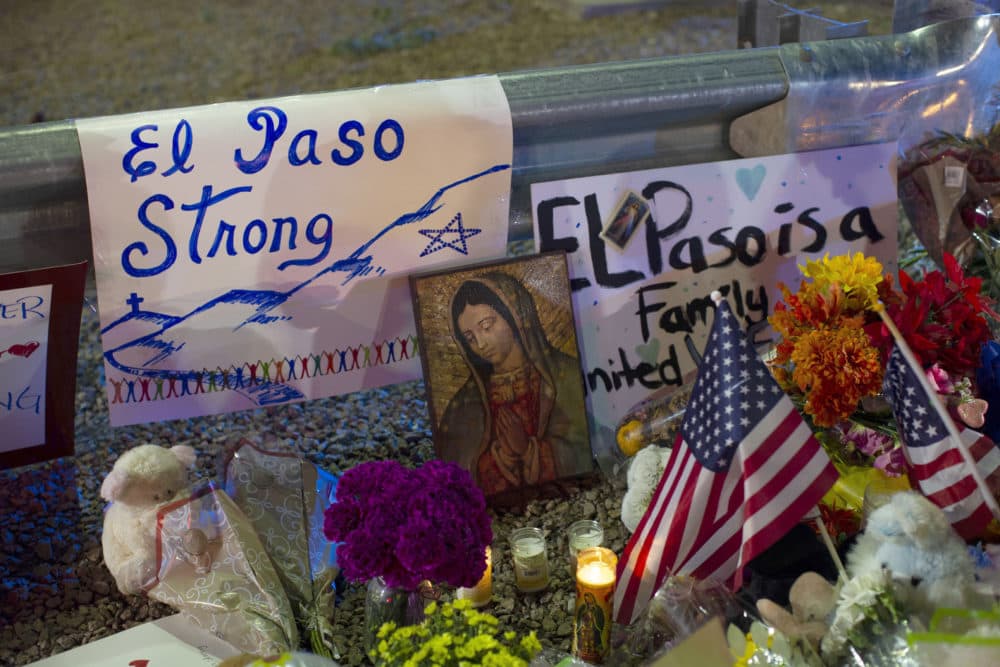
(70, 58)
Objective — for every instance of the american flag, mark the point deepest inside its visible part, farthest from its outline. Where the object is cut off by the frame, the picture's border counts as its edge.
(932, 457)
(744, 470)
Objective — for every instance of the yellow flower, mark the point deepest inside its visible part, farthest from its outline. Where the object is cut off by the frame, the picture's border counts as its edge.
(530, 643)
(858, 277)
(451, 639)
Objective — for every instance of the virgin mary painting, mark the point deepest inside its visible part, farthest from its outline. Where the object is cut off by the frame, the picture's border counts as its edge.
(517, 420)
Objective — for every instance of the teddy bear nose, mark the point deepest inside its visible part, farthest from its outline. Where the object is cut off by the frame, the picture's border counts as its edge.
(915, 581)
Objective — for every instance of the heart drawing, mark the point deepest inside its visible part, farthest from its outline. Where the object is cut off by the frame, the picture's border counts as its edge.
(649, 352)
(22, 349)
(750, 180)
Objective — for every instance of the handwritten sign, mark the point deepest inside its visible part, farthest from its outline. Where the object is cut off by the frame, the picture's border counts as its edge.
(254, 253)
(642, 304)
(24, 346)
(166, 642)
(39, 327)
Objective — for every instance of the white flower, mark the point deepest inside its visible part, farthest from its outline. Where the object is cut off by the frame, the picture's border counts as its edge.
(855, 596)
(643, 475)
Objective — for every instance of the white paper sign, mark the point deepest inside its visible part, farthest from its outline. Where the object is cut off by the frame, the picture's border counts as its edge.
(647, 248)
(24, 349)
(255, 253)
(167, 642)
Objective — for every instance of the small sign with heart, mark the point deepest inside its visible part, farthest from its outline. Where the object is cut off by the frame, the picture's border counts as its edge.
(39, 330)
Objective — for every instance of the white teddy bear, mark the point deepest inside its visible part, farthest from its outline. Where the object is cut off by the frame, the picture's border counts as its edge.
(909, 547)
(141, 481)
(644, 474)
(912, 539)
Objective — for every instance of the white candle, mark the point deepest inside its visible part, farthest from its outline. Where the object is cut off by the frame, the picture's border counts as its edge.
(531, 565)
(582, 534)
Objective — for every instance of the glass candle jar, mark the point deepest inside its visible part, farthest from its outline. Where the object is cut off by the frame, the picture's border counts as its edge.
(531, 564)
(580, 535)
(481, 593)
(595, 589)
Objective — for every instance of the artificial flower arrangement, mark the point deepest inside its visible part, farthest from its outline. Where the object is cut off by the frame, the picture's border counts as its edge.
(833, 347)
(410, 525)
(453, 634)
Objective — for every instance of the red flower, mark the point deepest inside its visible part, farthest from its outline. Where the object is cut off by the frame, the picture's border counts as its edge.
(941, 317)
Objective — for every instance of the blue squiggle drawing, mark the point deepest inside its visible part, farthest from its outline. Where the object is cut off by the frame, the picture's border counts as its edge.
(358, 263)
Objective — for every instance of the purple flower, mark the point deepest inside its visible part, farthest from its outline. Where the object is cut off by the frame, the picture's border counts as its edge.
(410, 525)
(939, 380)
(892, 462)
(883, 448)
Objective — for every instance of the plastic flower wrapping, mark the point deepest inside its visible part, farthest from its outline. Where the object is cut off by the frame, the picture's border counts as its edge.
(950, 188)
(215, 570)
(453, 634)
(284, 498)
(249, 562)
(410, 525)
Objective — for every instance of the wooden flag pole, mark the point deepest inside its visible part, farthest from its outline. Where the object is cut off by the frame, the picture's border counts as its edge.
(931, 392)
(828, 541)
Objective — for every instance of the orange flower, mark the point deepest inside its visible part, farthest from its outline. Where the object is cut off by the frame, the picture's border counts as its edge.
(835, 368)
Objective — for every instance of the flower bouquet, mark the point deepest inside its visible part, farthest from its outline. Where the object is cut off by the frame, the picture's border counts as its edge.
(284, 497)
(408, 528)
(453, 634)
(834, 346)
(215, 570)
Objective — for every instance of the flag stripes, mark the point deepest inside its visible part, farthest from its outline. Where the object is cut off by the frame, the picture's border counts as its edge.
(744, 469)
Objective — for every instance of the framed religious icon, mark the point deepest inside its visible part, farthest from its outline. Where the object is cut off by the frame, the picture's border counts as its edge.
(502, 371)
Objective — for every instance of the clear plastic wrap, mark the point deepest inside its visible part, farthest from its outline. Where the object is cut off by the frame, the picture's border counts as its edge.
(215, 570)
(284, 498)
(681, 606)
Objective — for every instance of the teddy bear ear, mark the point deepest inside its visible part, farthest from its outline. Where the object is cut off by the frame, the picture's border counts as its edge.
(185, 454)
(114, 485)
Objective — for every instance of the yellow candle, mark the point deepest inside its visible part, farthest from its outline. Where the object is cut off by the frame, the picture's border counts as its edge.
(595, 588)
(481, 593)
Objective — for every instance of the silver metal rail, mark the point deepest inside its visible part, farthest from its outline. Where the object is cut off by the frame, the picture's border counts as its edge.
(586, 120)
(568, 122)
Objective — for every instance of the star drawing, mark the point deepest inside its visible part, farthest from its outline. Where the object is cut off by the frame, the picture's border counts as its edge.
(454, 227)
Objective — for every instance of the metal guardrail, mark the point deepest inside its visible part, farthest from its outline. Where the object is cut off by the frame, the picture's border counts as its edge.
(586, 120)
(572, 121)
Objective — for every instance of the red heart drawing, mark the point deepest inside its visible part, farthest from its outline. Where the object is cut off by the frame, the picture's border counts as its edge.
(24, 350)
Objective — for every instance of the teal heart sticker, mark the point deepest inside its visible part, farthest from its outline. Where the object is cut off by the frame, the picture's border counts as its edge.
(750, 180)
(649, 352)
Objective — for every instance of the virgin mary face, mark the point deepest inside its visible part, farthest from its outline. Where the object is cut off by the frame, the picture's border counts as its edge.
(487, 334)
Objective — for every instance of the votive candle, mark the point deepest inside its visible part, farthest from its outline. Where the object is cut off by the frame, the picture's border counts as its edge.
(582, 534)
(531, 565)
(481, 593)
(595, 588)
